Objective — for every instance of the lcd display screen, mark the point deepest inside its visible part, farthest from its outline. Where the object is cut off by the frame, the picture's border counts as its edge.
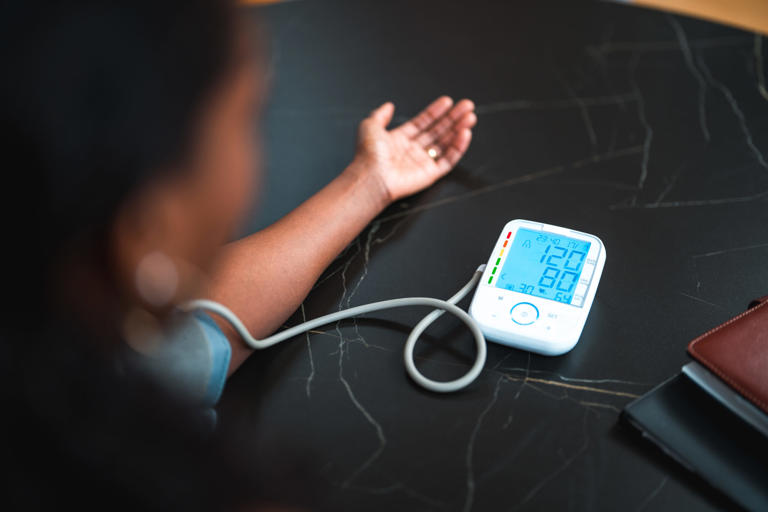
(545, 265)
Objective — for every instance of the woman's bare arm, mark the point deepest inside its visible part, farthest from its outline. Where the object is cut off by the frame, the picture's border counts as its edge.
(264, 277)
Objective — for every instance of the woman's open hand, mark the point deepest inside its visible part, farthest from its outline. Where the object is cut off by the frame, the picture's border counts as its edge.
(417, 153)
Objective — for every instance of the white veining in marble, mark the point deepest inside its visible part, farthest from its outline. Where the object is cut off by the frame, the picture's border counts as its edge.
(686, 49)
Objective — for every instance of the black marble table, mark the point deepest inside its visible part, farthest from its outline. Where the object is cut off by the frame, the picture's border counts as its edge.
(646, 129)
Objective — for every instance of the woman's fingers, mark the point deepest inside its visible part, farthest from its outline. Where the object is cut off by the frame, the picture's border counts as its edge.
(429, 115)
(446, 140)
(454, 151)
(467, 121)
(462, 112)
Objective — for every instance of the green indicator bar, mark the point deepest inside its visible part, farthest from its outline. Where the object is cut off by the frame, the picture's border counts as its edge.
(490, 279)
(494, 270)
(498, 261)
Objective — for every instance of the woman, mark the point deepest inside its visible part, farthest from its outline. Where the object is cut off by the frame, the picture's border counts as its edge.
(130, 127)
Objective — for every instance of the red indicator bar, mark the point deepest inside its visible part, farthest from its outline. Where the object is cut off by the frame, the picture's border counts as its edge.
(509, 234)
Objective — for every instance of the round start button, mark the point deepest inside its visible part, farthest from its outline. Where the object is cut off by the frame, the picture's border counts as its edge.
(524, 313)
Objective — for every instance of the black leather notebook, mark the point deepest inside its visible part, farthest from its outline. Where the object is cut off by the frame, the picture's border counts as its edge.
(706, 437)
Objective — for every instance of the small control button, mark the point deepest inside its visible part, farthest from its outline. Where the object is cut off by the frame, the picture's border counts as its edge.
(524, 313)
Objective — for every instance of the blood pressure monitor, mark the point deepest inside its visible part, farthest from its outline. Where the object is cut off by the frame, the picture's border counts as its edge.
(538, 286)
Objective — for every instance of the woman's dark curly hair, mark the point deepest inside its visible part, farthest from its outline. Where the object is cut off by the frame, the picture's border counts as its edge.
(97, 96)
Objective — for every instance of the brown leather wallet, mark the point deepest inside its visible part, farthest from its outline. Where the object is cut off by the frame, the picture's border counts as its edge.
(737, 352)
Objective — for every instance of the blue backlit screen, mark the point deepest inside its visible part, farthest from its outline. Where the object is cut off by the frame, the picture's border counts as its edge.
(544, 265)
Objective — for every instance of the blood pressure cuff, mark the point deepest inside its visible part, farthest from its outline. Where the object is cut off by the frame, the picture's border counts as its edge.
(192, 359)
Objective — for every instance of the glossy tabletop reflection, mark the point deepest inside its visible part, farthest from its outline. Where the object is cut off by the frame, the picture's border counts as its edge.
(645, 129)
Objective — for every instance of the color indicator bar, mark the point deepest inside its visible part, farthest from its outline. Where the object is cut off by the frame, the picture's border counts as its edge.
(498, 260)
